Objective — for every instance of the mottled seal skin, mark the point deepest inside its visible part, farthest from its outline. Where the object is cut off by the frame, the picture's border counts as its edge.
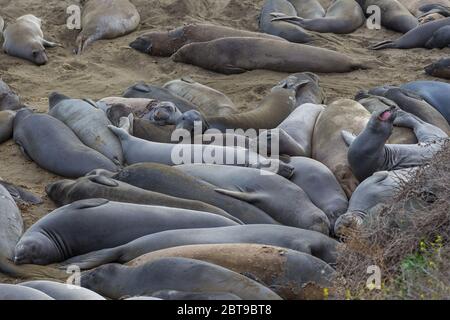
(9, 100)
(179, 295)
(56, 237)
(342, 17)
(173, 182)
(65, 192)
(62, 291)
(16, 292)
(19, 194)
(288, 273)
(308, 9)
(219, 56)
(329, 148)
(89, 123)
(286, 202)
(436, 93)
(439, 69)
(282, 29)
(310, 242)
(166, 43)
(54, 147)
(208, 100)
(11, 224)
(115, 281)
(369, 153)
(106, 19)
(6, 125)
(420, 37)
(25, 39)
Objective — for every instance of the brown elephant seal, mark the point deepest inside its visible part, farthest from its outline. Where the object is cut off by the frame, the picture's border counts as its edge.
(16, 292)
(106, 19)
(208, 100)
(342, 17)
(180, 274)
(328, 146)
(167, 43)
(308, 9)
(219, 56)
(439, 69)
(6, 125)
(62, 291)
(9, 100)
(25, 39)
(290, 274)
(282, 29)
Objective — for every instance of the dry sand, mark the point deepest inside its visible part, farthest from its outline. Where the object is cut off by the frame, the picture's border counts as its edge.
(110, 66)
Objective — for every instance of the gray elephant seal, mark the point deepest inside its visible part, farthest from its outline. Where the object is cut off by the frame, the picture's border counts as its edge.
(369, 153)
(308, 9)
(424, 36)
(106, 19)
(16, 292)
(209, 101)
(65, 192)
(115, 281)
(62, 291)
(342, 17)
(11, 224)
(290, 274)
(310, 242)
(282, 29)
(9, 100)
(47, 141)
(167, 43)
(439, 69)
(55, 237)
(285, 202)
(219, 56)
(179, 295)
(6, 125)
(25, 39)
(89, 123)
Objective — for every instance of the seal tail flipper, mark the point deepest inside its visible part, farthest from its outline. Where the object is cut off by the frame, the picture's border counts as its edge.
(49, 44)
(28, 271)
(94, 259)
(348, 137)
(122, 134)
(389, 44)
(126, 123)
(247, 197)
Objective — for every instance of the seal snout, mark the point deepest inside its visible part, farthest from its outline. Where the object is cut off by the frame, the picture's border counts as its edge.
(388, 115)
(142, 45)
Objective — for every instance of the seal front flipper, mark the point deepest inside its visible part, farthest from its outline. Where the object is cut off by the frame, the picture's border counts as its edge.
(94, 259)
(348, 137)
(24, 152)
(244, 196)
(230, 69)
(104, 181)
(89, 203)
(389, 44)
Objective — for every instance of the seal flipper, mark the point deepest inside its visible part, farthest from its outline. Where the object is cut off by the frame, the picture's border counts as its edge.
(94, 259)
(142, 87)
(230, 69)
(122, 134)
(49, 44)
(389, 44)
(24, 152)
(20, 194)
(103, 180)
(244, 196)
(348, 137)
(89, 203)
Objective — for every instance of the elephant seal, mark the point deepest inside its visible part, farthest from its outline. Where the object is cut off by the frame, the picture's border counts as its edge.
(329, 148)
(308, 9)
(62, 291)
(9, 100)
(434, 6)
(166, 43)
(6, 125)
(310, 242)
(54, 147)
(433, 92)
(65, 192)
(106, 19)
(19, 194)
(430, 17)
(440, 69)
(285, 202)
(24, 39)
(180, 274)
(219, 56)
(290, 274)
(179, 295)
(16, 292)
(369, 153)
(171, 181)
(55, 237)
(140, 107)
(306, 86)
(11, 224)
(342, 17)
(424, 36)
(89, 123)
(282, 29)
(418, 7)
(321, 186)
(209, 101)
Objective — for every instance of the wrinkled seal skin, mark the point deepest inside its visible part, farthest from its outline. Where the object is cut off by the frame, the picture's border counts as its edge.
(16, 292)
(165, 44)
(11, 224)
(288, 273)
(440, 69)
(6, 125)
(220, 56)
(284, 201)
(179, 295)
(173, 182)
(65, 192)
(56, 237)
(106, 19)
(310, 242)
(281, 29)
(54, 147)
(62, 291)
(25, 39)
(89, 123)
(116, 281)
(9, 100)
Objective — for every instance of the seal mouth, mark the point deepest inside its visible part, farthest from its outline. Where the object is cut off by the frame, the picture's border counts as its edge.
(387, 115)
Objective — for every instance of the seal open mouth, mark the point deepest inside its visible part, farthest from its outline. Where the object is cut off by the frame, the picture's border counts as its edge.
(386, 115)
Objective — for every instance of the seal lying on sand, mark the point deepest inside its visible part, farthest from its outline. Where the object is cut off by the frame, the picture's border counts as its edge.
(6, 125)
(8, 99)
